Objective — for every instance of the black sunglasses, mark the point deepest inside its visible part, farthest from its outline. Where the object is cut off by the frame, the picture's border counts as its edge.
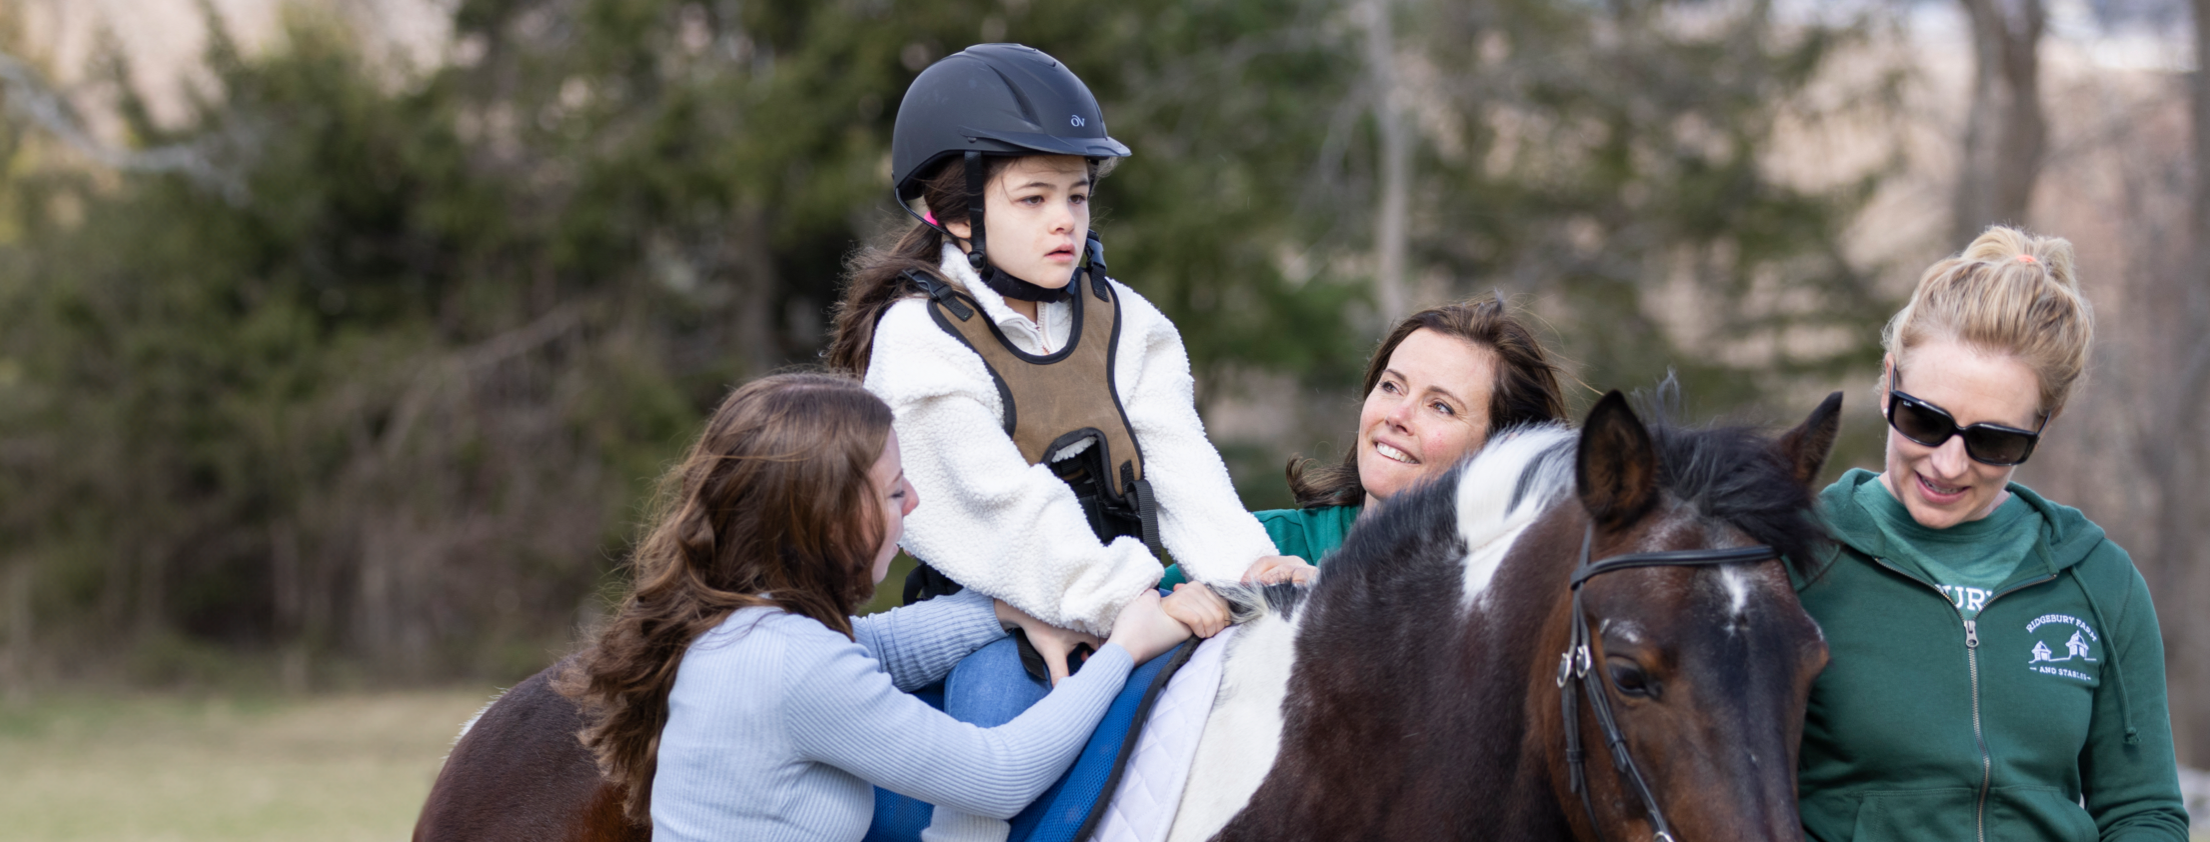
(1930, 425)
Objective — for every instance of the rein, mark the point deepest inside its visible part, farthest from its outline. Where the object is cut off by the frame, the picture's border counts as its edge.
(1575, 676)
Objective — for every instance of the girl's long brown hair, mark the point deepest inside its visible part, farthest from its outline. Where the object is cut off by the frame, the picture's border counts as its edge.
(1526, 389)
(772, 507)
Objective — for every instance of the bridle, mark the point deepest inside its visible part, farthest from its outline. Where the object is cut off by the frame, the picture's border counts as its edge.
(1574, 663)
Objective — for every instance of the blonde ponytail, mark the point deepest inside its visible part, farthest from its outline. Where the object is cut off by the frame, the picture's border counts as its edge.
(2011, 293)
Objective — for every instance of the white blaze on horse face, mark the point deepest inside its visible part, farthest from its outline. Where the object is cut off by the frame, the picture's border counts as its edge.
(1243, 733)
(1737, 582)
(1487, 520)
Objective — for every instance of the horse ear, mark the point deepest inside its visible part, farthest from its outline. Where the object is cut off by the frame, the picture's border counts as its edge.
(1806, 447)
(1617, 466)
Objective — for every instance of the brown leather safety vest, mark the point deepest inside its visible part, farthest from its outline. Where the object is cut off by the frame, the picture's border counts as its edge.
(1062, 409)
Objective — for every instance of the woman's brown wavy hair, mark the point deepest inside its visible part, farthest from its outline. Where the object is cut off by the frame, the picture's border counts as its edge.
(1526, 390)
(772, 507)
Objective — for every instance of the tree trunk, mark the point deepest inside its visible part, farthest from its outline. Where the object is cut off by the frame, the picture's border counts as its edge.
(2186, 572)
(2005, 134)
(15, 658)
(1391, 218)
(756, 282)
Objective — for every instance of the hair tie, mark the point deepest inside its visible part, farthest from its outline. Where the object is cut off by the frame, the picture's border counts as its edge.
(929, 217)
(2027, 258)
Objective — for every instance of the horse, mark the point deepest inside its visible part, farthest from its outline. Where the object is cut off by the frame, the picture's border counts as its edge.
(1414, 689)
(1421, 687)
(517, 773)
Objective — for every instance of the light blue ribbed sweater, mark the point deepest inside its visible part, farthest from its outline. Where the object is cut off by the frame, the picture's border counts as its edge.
(777, 725)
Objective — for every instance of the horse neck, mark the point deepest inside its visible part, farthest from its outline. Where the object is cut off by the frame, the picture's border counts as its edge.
(1529, 622)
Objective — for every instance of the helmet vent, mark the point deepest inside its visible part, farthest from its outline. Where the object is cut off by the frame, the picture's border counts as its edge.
(1020, 98)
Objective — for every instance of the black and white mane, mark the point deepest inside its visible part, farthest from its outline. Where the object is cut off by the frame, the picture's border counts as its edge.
(1727, 475)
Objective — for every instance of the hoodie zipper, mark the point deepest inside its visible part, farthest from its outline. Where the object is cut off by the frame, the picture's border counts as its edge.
(1972, 662)
(1979, 736)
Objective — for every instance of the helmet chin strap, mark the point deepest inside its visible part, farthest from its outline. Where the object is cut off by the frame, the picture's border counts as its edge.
(996, 279)
(1011, 287)
(976, 258)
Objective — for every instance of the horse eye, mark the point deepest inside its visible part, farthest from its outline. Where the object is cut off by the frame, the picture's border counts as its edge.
(1630, 680)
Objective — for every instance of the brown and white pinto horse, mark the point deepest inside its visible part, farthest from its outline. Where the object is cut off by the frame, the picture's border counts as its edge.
(518, 774)
(1424, 697)
(1411, 692)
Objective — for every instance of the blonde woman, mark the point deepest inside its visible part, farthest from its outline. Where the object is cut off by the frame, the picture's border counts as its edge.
(1996, 669)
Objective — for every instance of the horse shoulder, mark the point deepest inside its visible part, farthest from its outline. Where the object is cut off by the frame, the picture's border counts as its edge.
(519, 773)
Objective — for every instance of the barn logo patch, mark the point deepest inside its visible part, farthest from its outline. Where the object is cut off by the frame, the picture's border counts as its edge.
(2063, 646)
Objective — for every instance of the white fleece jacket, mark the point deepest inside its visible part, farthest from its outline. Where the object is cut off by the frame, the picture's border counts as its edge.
(993, 522)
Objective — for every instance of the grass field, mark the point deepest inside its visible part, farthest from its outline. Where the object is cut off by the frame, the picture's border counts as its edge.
(168, 769)
(182, 770)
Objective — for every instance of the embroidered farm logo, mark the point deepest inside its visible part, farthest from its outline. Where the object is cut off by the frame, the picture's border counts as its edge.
(2054, 647)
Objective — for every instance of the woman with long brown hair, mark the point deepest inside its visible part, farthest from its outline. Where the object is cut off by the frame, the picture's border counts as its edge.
(1438, 386)
(737, 698)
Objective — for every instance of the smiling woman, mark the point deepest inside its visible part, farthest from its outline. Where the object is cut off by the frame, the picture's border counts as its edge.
(1430, 409)
(1947, 710)
(1438, 387)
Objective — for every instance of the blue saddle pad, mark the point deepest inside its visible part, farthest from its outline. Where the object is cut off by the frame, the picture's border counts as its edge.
(1068, 810)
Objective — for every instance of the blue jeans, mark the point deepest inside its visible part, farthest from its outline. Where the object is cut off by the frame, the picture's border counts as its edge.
(988, 688)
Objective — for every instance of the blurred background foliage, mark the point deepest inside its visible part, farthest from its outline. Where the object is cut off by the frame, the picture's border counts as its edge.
(372, 383)
(376, 383)
(357, 371)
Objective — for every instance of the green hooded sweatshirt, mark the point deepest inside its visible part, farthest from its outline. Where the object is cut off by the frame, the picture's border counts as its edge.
(2042, 718)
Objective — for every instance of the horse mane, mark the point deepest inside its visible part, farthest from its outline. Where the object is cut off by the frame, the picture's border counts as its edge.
(1479, 512)
(1732, 474)
(1247, 602)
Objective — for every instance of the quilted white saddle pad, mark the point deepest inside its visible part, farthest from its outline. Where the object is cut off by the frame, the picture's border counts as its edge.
(1143, 805)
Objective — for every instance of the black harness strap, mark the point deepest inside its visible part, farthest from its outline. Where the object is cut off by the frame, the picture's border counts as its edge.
(942, 292)
(975, 256)
(1577, 675)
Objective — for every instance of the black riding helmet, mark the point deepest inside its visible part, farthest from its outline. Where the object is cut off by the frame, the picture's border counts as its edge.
(992, 99)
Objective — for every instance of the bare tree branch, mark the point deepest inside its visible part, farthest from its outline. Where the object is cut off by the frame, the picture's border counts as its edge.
(1391, 219)
(31, 98)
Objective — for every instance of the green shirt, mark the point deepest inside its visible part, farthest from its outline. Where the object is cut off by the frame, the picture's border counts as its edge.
(1309, 534)
(1966, 561)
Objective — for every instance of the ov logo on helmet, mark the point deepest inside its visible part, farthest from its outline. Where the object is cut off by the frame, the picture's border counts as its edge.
(1074, 120)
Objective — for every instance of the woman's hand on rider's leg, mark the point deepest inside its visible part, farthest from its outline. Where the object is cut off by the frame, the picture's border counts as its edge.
(1275, 569)
(1052, 642)
(1197, 607)
(1145, 629)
